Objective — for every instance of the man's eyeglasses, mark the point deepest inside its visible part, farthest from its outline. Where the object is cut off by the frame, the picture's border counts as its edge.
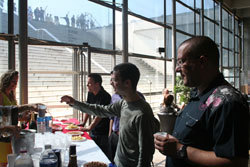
(180, 62)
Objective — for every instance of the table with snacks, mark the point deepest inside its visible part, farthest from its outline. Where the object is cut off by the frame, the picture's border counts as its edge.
(66, 132)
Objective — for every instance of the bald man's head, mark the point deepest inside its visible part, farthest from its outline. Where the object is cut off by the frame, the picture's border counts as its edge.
(203, 46)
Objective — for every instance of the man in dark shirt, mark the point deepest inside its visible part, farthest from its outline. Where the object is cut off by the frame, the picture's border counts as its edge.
(212, 130)
(99, 127)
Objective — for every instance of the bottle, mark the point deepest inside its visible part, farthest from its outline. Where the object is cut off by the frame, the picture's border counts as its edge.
(72, 150)
(48, 124)
(48, 158)
(40, 125)
(32, 122)
(58, 154)
(72, 161)
(24, 159)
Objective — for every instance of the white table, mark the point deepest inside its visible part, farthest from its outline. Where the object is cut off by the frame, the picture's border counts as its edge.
(86, 151)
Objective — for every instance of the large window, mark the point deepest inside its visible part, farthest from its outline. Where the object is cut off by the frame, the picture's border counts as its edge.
(55, 70)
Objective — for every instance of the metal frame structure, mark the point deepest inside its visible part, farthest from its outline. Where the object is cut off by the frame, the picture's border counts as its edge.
(80, 58)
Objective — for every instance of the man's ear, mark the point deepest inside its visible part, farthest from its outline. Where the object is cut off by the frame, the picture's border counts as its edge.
(128, 83)
(203, 60)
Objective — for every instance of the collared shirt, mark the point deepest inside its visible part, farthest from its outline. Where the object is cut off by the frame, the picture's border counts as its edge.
(102, 98)
(115, 127)
(215, 120)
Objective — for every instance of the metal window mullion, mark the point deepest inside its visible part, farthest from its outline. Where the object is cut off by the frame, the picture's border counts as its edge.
(75, 79)
(113, 63)
(242, 51)
(165, 45)
(174, 44)
(195, 18)
(125, 30)
(11, 42)
(220, 42)
(23, 52)
(233, 19)
(202, 17)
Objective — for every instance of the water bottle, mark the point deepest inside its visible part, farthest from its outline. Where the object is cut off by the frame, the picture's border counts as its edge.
(40, 125)
(23, 160)
(48, 158)
(48, 124)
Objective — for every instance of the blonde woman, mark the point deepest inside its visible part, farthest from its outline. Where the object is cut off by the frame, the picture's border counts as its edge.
(8, 84)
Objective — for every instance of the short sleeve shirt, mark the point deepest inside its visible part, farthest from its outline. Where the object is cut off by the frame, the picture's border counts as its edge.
(214, 121)
(102, 98)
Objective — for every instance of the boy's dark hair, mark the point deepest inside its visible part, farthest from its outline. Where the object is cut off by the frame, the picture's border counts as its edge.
(96, 77)
(168, 100)
(128, 71)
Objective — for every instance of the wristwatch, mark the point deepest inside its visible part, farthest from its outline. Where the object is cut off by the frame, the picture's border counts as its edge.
(182, 152)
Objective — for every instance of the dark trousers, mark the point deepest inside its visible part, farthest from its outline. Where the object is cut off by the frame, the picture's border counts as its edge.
(113, 140)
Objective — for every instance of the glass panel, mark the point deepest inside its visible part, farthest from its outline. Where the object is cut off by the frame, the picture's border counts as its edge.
(144, 37)
(83, 21)
(184, 19)
(101, 63)
(48, 88)
(169, 43)
(230, 40)
(237, 60)
(225, 58)
(230, 24)
(237, 40)
(4, 16)
(106, 84)
(188, 2)
(3, 56)
(150, 9)
(198, 4)
(151, 80)
(231, 59)
(224, 18)
(118, 30)
(180, 38)
(225, 38)
(169, 11)
(217, 34)
(169, 75)
(237, 83)
(209, 8)
(236, 27)
(217, 12)
(49, 77)
(209, 28)
(198, 25)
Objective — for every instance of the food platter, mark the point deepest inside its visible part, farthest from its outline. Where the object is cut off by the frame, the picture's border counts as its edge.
(78, 138)
(75, 133)
(56, 127)
(72, 127)
(95, 164)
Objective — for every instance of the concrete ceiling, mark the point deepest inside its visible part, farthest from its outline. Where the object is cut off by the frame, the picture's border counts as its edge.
(242, 7)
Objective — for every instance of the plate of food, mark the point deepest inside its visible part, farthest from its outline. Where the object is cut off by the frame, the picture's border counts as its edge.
(56, 127)
(75, 133)
(95, 164)
(72, 127)
(78, 138)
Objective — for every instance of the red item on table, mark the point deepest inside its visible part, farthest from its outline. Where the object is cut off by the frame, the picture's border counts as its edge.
(73, 121)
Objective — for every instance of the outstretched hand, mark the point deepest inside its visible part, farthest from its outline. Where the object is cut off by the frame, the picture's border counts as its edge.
(68, 100)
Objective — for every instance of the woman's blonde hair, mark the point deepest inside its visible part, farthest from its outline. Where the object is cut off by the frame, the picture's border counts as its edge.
(5, 81)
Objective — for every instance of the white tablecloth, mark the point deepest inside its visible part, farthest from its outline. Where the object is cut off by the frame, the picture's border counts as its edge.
(86, 151)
